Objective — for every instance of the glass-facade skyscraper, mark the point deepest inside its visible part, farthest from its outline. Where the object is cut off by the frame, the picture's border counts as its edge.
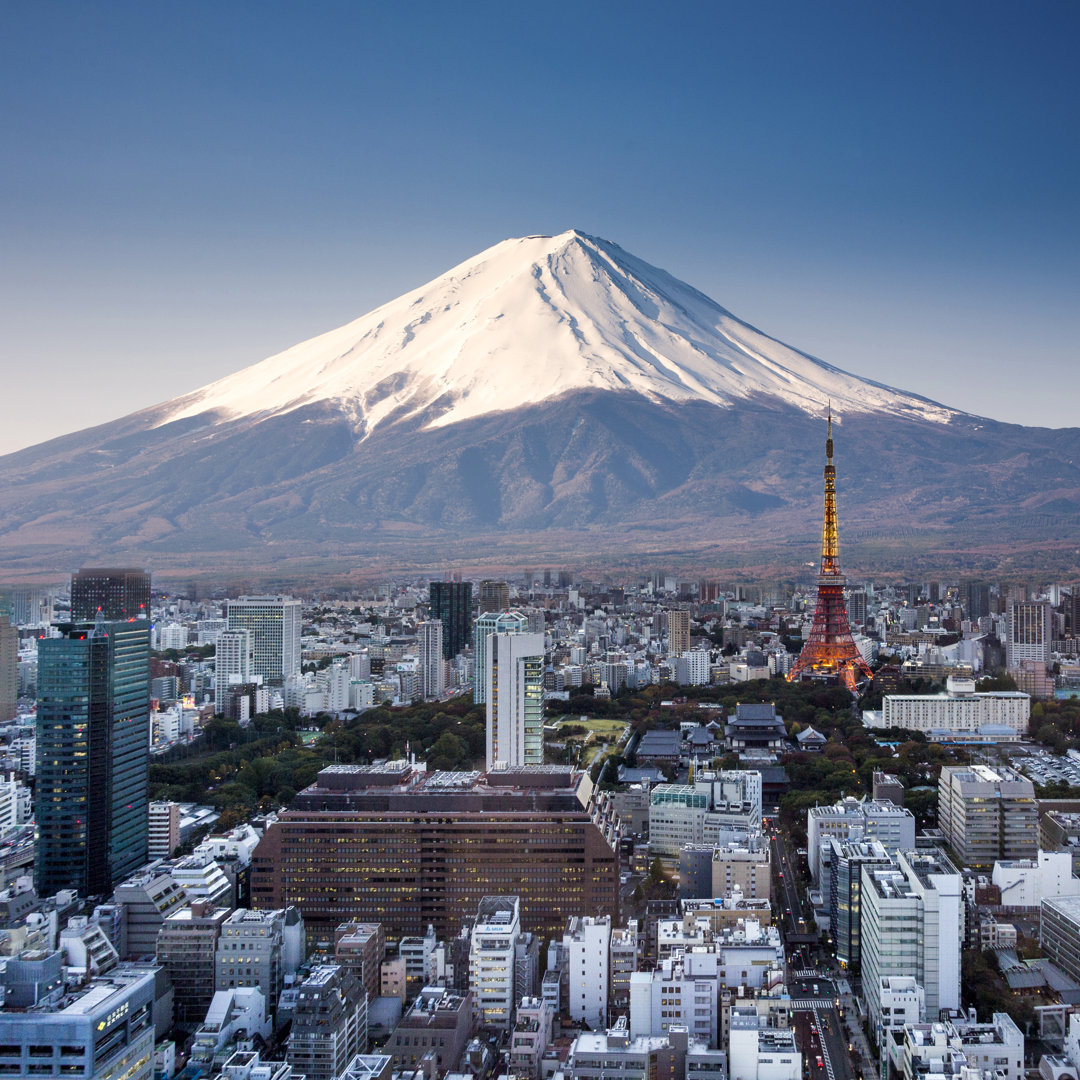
(91, 803)
(112, 592)
(451, 604)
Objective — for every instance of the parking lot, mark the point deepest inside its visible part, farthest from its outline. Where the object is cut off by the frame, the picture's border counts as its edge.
(1043, 767)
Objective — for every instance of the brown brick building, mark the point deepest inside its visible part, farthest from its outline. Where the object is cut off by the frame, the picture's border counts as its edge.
(392, 844)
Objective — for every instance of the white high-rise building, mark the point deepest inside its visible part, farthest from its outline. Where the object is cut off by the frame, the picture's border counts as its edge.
(232, 663)
(432, 667)
(515, 699)
(334, 682)
(491, 960)
(173, 636)
(492, 622)
(912, 925)
(274, 623)
(692, 668)
(587, 947)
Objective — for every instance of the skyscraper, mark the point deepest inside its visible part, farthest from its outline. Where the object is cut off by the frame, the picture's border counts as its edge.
(115, 592)
(494, 596)
(976, 600)
(93, 732)
(232, 664)
(515, 700)
(500, 622)
(9, 669)
(1029, 630)
(856, 607)
(274, 624)
(678, 632)
(432, 665)
(1072, 612)
(451, 604)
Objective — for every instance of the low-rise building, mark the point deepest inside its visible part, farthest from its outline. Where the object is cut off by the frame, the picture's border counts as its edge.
(617, 1055)
(438, 1024)
(1025, 883)
(758, 1052)
(530, 1038)
(961, 711)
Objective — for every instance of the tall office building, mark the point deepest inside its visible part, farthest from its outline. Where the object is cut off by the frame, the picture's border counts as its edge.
(856, 607)
(855, 819)
(30, 606)
(432, 666)
(912, 924)
(115, 592)
(274, 624)
(451, 604)
(1029, 632)
(9, 669)
(845, 906)
(987, 814)
(232, 664)
(976, 600)
(678, 632)
(494, 596)
(515, 700)
(93, 732)
(496, 622)
(1072, 612)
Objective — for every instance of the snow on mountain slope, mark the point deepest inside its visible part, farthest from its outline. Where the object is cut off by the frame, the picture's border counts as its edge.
(528, 320)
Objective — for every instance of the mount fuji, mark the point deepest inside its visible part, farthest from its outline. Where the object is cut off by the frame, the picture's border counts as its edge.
(551, 397)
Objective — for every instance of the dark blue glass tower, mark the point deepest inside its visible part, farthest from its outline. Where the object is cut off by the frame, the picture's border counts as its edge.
(451, 604)
(91, 802)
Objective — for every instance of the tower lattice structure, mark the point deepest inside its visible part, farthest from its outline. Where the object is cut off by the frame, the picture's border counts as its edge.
(830, 651)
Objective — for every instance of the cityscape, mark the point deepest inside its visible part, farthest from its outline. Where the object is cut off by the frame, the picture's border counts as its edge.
(542, 827)
(539, 542)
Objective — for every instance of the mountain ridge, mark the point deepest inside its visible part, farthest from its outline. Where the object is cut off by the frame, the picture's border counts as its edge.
(550, 394)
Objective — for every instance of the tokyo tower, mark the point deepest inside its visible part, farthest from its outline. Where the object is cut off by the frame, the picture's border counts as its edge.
(830, 651)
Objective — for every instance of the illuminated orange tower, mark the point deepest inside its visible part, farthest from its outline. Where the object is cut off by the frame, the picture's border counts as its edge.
(830, 651)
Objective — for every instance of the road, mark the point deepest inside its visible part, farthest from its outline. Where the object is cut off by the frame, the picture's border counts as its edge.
(820, 1031)
(816, 999)
(787, 877)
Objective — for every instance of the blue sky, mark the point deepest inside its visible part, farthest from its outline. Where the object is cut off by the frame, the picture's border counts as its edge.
(186, 188)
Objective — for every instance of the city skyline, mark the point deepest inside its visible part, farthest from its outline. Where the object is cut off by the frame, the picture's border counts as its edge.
(189, 192)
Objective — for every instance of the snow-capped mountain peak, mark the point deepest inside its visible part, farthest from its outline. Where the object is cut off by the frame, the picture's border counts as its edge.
(531, 319)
